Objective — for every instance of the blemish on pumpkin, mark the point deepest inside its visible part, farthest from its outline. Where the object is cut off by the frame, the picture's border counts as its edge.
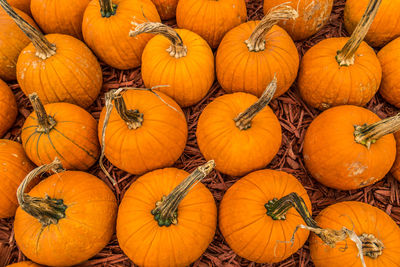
(15, 155)
(306, 157)
(370, 180)
(356, 168)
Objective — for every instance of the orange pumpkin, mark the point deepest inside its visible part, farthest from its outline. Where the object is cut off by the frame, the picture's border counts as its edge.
(145, 131)
(65, 219)
(178, 58)
(58, 67)
(166, 8)
(239, 132)
(210, 19)
(60, 130)
(252, 225)
(252, 53)
(23, 5)
(348, 70)
(313, 14)
(389, 57)
(14, 167)
(8, 108)
(396, 165)
(24, 264)
(386, 25)
(58, 16)
(378, 233)
(348, 147)
(106, 30)
(161, 223)
(12, 41)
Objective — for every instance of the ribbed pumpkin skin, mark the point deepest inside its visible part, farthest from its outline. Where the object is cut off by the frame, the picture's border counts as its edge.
(73, 139)
(166, 8)
(237, 152)
(352, 85)
(333, 157)
(59, 16)
(148, 244)
(24, 264)
(14, 167)
(239, 70)
(72, 75)
(23, 5)
(386, 25)
(389, 57)
(86, 229)
(396, 165)
(158, 143)
(8, 108)
(109, 37)
(210, 19)
(361, 218)
(189, 77)
(246, 227)
(313, 14)
(12, 41)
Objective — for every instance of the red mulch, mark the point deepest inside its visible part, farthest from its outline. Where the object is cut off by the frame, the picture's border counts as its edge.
(294, 116)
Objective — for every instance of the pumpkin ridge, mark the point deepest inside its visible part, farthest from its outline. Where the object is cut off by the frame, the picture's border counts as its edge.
(162, 144)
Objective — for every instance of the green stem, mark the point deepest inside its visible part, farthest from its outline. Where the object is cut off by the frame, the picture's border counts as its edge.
(45, 122)
(107, 8)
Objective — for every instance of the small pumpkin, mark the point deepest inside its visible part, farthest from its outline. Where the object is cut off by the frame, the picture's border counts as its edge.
(252, 53)
(161, 223)
(386, 25)
(378, 236)
(23, 5)
(166, 8)
(239, 132)
(178, 58)
(389, 57)
(24, 264)
(8, 108)
(12, 41)
(14, 166)
(60, 130)
(348, 70)
(65, 219)
(349, 147)
(58, 67)
(58, 16)
(106, 26)
(210, 19)
(147, 130)
(396, 165)
(313, 15)
(253, 220)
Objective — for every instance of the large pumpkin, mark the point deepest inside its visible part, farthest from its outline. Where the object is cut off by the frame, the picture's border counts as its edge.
(210, 19)
(60, 130)
(59, 16)
(239, 132)
(145, 131)
(378, 233)
(23, 5)
(161, 223)
(65, 219)
(178, 58)
(14, 167)
(348, 147)
(58, 67)
(166, 8)
(386, 25)
(339, 71)
(251, 54)
(106, 30)
(313, 14)
(12, 41)
(8, 108)
(389, 57)
(251, 223)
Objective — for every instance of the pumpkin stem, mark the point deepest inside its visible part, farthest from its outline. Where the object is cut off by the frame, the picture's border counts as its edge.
(243, 120)
(47, 210)
(256, 42)
(45, 122)
(107, 8)
(177, 48)
(44, 49)
(345, 57)
(371, 246)
(133, 118)
(166, 210)
(369, 134)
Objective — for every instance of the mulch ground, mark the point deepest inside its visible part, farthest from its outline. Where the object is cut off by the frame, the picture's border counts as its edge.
(294, 117)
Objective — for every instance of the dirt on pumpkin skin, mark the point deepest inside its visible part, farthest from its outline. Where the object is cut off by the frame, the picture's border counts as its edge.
(294, 116)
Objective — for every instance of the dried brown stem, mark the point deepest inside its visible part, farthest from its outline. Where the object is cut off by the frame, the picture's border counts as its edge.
(45, 122)
(107, 8)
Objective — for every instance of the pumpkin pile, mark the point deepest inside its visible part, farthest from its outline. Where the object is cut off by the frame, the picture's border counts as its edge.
(182, 132)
